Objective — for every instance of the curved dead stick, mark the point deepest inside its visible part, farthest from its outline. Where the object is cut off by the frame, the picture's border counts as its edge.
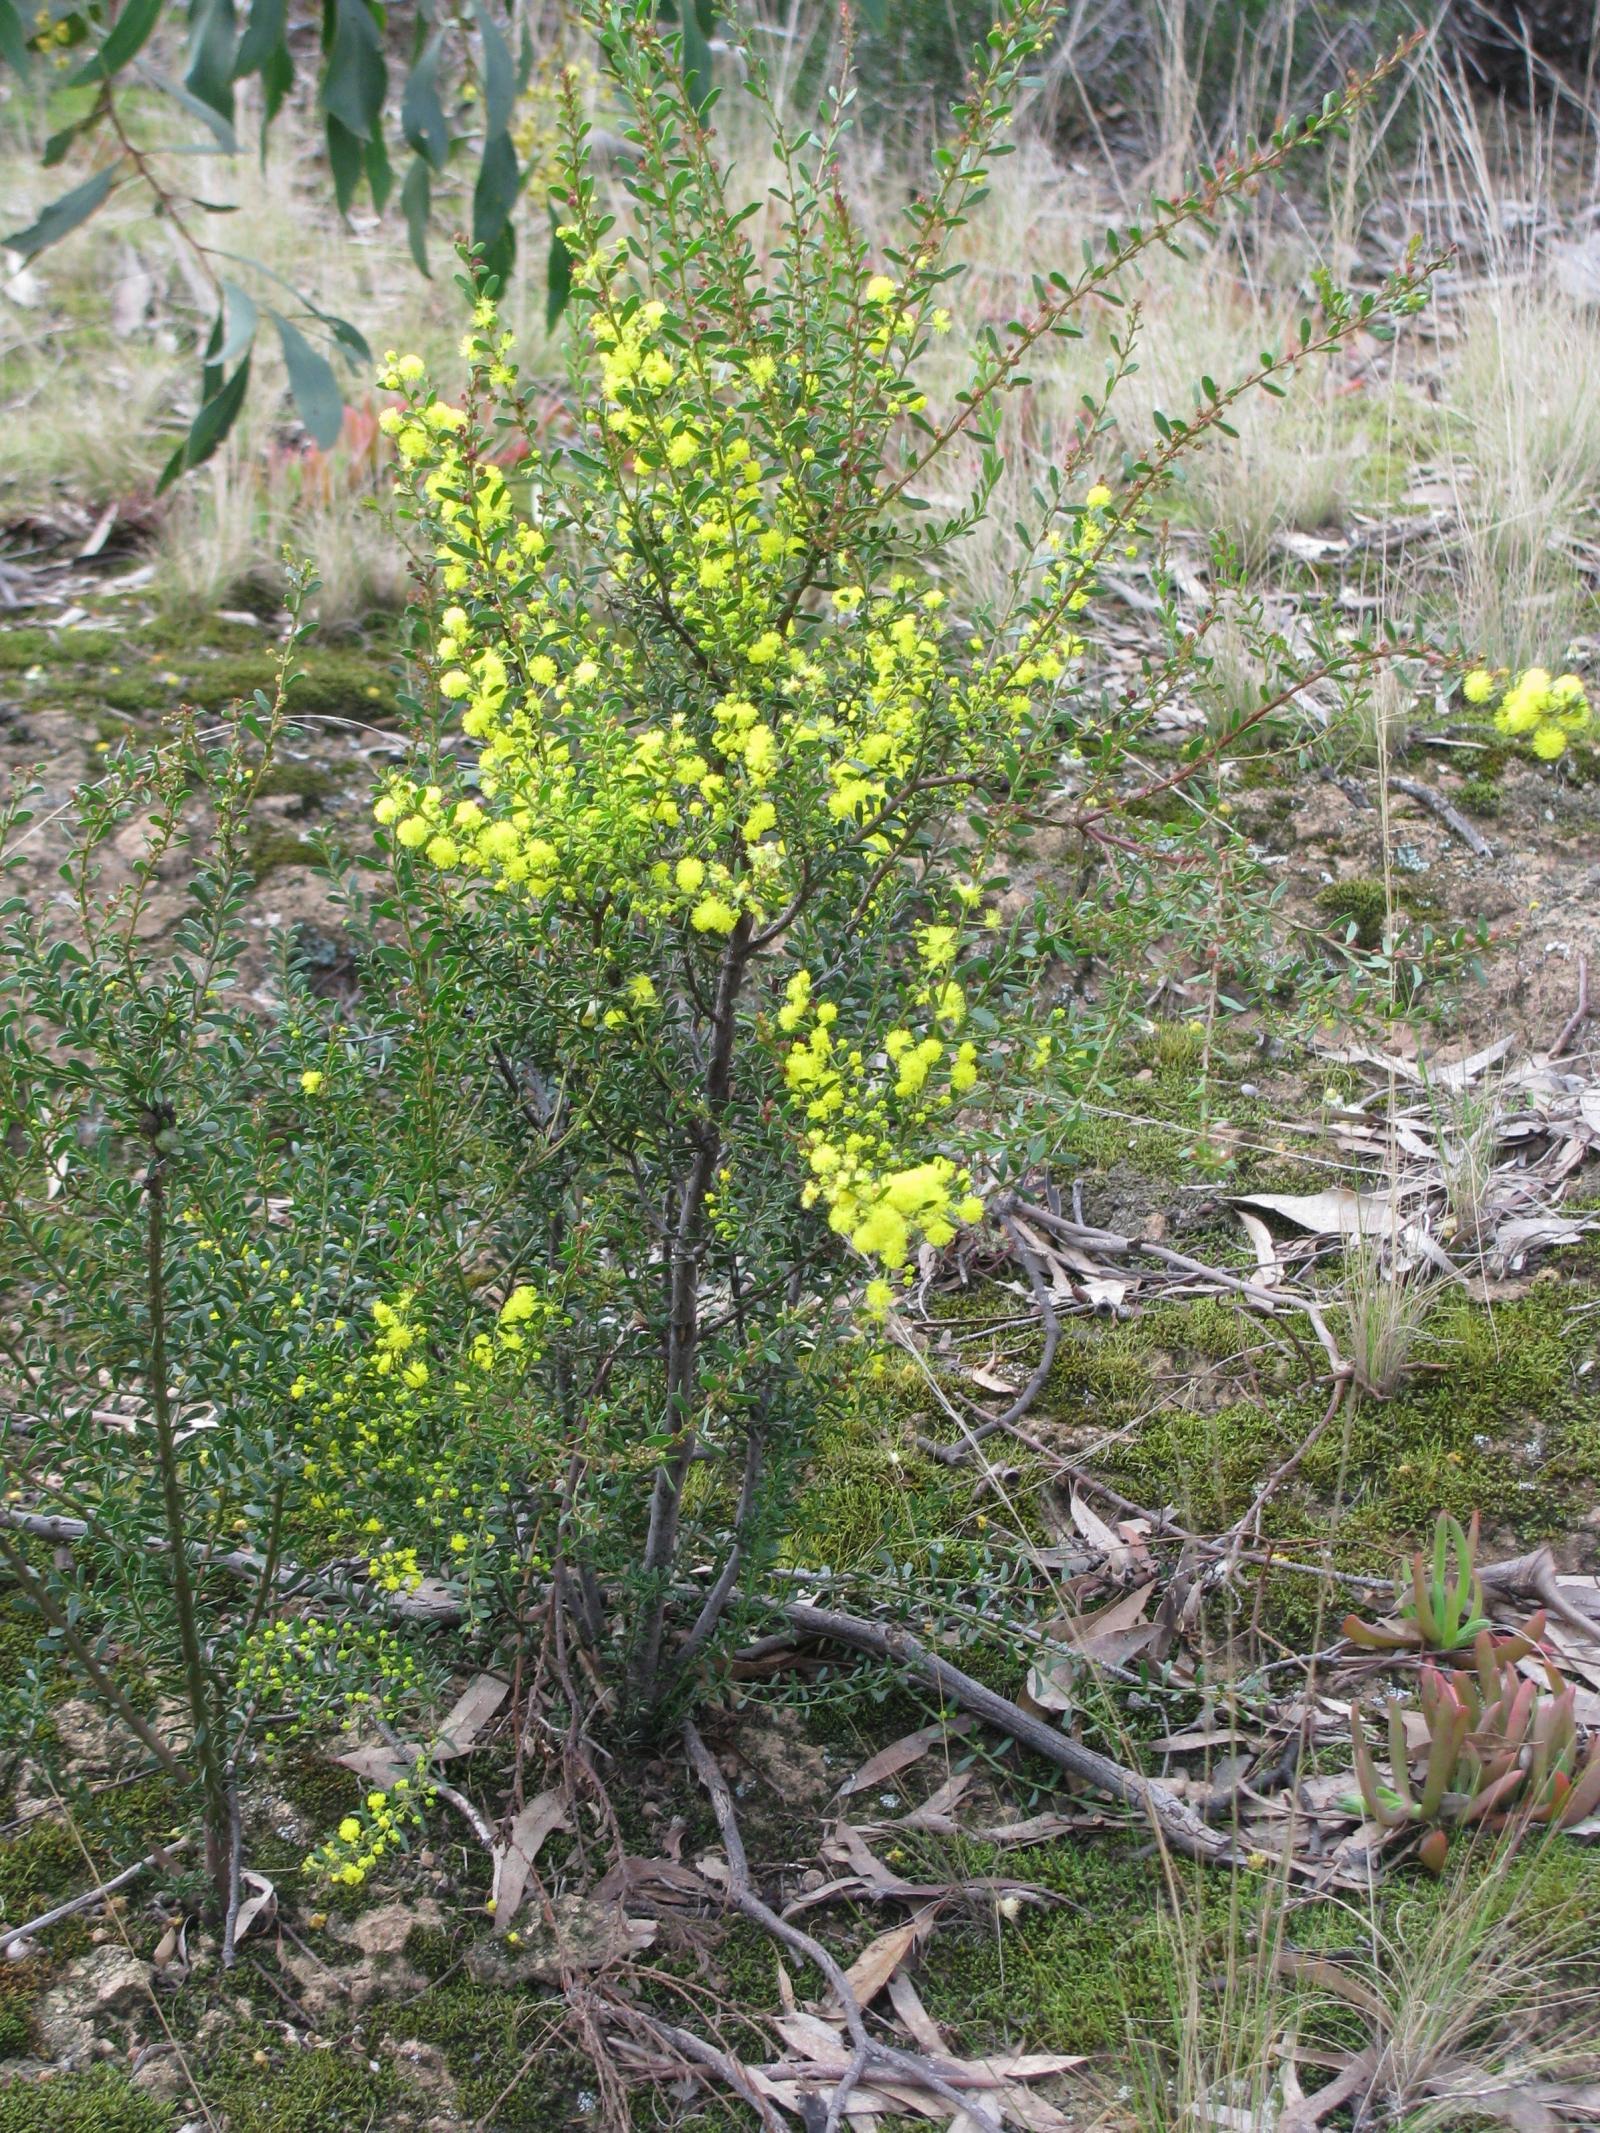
(950, 1454)
(1534, 1577)
(866, 2051)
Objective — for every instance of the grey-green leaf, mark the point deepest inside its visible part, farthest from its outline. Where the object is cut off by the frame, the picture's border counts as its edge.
(128, 35)
(63, 216)
(353, 89)
(13, 43)
(495, 194)
(263, 36)
(210, 426)
(416, 199)
(499, 79)
(696, 55)
(211, 57)
(422, 118)
(241, 323)
(317, 398)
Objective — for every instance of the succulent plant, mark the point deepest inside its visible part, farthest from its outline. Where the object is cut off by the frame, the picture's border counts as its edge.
(1500, 1748)
(1439, 1603)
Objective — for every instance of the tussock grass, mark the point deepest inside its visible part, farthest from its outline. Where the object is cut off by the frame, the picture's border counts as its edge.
(1511, 449)
(1466, 1991)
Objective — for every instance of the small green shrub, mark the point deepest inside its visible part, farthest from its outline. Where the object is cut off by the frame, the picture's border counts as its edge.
(686, 1016)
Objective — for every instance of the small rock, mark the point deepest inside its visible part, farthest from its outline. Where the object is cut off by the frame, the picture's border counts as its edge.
(107, 1982)
(82, 1731)
(62, 2028)
(385, 1931)
(588, 1936)
(159, 2073)
(119, 1981)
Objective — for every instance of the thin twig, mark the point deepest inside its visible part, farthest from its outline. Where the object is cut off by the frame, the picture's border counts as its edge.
(458, 1800)
(161, 1856)
(1579, 1015)
(721, 2063)
(1249, 1524)
(741, 1893)
(230, 1924)
(39, 1596)
(949, 1454)
(1271, 1300)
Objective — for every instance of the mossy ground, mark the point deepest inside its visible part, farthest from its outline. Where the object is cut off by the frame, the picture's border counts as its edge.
(1189, 1404)
(146, 671)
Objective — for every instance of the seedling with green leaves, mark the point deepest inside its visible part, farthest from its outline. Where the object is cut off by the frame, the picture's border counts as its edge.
(1500, 1750)
(1439, 1602)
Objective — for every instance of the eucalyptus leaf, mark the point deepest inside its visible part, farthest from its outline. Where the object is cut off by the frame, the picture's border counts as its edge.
(209, 428)
(416, 198)
(317, 398)
(211, 57)
(422, 118)
(127, 37)
(13, 43)
(263, 37)
(499, 78)
(63, 216)
(495, 194)
(196, 107)
(241, 329)
(357, 76)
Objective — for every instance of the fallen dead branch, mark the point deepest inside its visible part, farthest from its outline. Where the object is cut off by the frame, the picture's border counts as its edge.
(683, 2044)
(1439, 807)
(1534, 1577)
(162, 1856)
(1175, 1822)
(432, 1601)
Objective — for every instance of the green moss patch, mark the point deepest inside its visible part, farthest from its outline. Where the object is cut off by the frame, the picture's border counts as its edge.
(257, 2084)
(505, 2050)
(99, 2102)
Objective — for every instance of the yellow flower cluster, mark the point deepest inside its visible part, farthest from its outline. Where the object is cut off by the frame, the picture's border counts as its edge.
(369, 1419)
(362, 1840)
(1545, 713)
(818, 704)
(582, 796)
(861, 1112)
